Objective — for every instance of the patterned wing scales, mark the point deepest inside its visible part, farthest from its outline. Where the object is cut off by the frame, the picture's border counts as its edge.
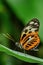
(28, 33)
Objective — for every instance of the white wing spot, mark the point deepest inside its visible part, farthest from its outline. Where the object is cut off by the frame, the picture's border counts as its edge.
(35, 23)
(28, 27)
(32, 22)
(33, 29)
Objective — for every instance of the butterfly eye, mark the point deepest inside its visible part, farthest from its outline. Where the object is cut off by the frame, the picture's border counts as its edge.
(26, 31)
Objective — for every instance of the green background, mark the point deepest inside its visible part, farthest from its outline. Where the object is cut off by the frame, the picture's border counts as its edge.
(14, 15)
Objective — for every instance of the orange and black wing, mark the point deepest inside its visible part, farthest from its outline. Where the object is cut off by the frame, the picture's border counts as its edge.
(31, 29)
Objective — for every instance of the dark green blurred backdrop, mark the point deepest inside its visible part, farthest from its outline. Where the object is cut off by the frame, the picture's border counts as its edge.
(14, 15)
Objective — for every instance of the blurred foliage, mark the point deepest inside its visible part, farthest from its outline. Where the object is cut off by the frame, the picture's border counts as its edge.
(14, 14)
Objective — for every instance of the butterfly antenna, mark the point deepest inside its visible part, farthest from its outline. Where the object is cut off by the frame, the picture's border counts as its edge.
(8, 36)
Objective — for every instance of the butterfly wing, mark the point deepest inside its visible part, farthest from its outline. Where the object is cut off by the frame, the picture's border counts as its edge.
(32, 26)
(29, 30)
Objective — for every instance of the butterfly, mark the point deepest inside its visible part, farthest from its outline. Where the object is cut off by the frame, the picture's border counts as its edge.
(29, 38)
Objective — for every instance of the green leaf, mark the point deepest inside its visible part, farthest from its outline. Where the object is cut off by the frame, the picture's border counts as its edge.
(21, 56)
